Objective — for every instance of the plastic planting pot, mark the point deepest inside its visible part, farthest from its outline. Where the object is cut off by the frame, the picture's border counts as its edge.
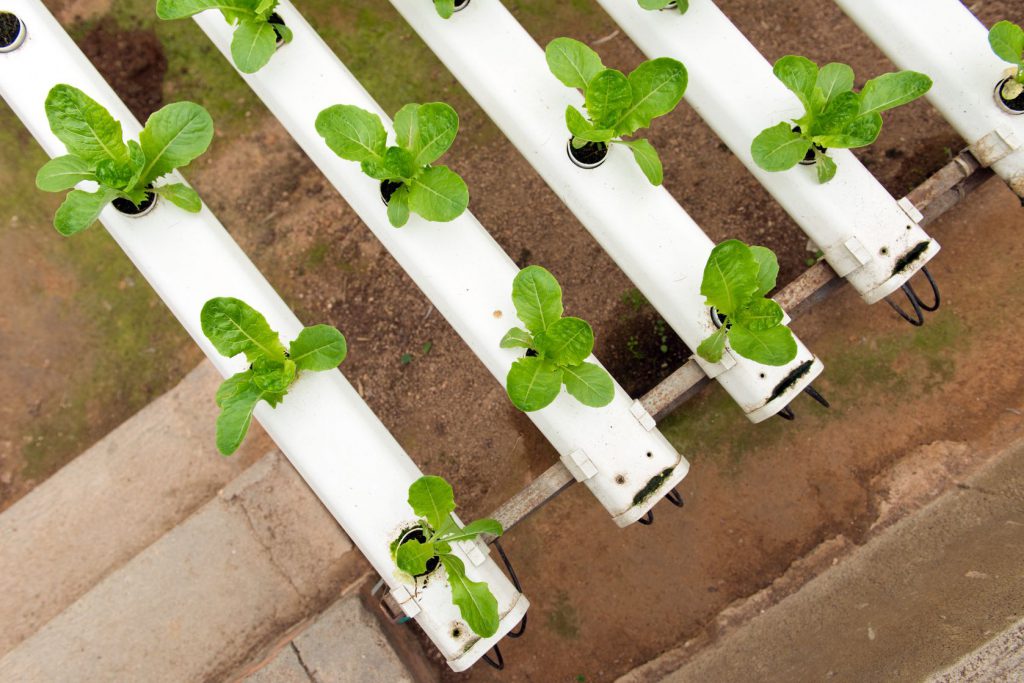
(128, 208)
(275, 20)
(1014, 106)
(590, 155)
(810, 158)
(388, 188)
(12, 32)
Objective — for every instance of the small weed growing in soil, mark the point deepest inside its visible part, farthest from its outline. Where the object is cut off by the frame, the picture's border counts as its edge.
(834, 115)
(557, 348)
(433, 500)
(234, 327)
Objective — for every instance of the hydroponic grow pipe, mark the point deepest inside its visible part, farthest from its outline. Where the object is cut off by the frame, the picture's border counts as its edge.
(648, 234)
(943, 39)
(864, 233)
(356, 468)
(616, 450)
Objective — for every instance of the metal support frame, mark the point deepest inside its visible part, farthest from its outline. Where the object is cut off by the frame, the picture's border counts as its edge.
(934, 197)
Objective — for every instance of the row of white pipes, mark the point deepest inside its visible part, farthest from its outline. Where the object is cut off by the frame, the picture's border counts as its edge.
(326, 429)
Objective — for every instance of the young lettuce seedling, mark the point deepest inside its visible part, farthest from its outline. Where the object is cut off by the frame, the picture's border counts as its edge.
(257, 27)
(736, 280)
(681, 5)
(617, 105)
(446, 8)
(423, 133)
(234, 327)
(420, 549)
(125, 173)
(557, 348)
(834, 116)
(1007, 41)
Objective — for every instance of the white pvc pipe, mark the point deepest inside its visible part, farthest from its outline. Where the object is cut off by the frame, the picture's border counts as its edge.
(356, 468)
(646, 232)
(863, 232)
(943, 39)
(616, 450)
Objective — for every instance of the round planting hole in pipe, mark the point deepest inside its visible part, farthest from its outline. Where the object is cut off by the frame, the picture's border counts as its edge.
(275, 20)
(461, 5)
(12, 32)
(590, 155)
(128, 208)
(388, 188)
(416, 534)
(810, 159)
(671, 5)
(717, 318)
(1014, 106)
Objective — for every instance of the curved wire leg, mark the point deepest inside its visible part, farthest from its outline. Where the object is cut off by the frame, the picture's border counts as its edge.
(647, 519)
(787, 414)
(498, 664)
(935, 292)
(813, 393)
(675, 498)
(521, 629)
(916, 321)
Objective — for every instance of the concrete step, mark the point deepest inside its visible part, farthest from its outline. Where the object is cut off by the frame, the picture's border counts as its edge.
(344, 644)
(910, 602)
(207, 597)
(113, 501)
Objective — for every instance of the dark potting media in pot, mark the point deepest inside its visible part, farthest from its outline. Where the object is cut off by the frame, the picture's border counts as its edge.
(10, 27)
(127, 207)
(275, 20)
(809, 159)
(1016, 104)
(589, 155)
(388, 188)
(417, 535)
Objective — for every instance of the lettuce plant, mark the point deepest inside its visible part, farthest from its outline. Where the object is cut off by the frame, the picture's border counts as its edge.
(1007, 41)
(125, 173)
(834, 115)
(616, 105)
(423, 133)
(557, 348)
(422, 547)
(736, 280)
(446, 8)
(257, 28)
(234, 327)
(681, 5)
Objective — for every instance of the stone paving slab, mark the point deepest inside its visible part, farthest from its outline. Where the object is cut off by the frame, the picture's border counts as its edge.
(208, 596)
(112, 501)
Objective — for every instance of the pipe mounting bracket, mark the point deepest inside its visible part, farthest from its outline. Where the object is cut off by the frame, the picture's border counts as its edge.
(640, 413)
(579, 465)
(995, 146)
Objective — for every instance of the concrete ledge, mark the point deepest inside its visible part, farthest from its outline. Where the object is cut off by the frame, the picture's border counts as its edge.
(910, 602)
(112, 501)
(207, 596)
(344, 644)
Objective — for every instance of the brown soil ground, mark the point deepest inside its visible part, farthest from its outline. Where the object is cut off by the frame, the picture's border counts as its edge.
(758, 497)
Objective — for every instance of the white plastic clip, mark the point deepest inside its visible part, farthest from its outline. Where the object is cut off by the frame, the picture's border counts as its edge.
(857, 251)
(476, 554)
(579, 465)
(406, 601)
(911, 210)
(640, 413)
(995, 146)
